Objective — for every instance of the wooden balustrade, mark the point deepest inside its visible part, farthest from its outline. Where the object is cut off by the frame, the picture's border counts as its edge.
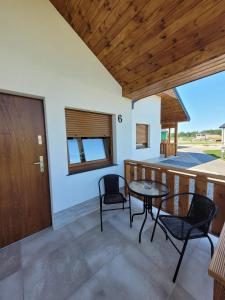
(168, 149)
(182, 180)
(217, 268)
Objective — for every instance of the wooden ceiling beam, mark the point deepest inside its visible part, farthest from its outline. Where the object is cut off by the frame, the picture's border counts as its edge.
(177, 79)
(168, 125)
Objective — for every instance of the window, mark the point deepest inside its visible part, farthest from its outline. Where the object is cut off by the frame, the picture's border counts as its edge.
(89, 140)
(94, 149)
(74, 153)
(142, 136)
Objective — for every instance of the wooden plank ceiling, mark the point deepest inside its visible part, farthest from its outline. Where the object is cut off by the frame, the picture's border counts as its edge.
(170, 117)
(150, 46)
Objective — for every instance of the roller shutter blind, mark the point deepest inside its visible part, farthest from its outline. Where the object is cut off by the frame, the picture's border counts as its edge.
(142, 135)
(87, 124)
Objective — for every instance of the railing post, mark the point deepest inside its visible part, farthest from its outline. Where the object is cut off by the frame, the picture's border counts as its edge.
(166, 149)
(219, 199)
(175, 139)
(201, 185)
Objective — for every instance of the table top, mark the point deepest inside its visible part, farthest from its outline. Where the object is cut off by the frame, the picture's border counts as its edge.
(149, 188)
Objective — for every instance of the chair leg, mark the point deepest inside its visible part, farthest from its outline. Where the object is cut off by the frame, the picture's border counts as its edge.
(180, 260)
(101, 219)
(212, 246)
(130, 211)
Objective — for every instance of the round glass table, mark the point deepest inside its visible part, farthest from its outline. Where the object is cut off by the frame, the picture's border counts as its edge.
(149, 190)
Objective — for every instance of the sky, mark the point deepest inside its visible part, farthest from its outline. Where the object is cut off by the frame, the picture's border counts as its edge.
(204, 100)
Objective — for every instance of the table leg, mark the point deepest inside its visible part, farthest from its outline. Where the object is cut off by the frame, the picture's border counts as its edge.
(147, 208)
(149, 205)
(143, 224)
(151, 213)
(138, 214)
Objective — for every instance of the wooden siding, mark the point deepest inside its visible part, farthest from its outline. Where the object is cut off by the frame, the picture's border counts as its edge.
(151, 46)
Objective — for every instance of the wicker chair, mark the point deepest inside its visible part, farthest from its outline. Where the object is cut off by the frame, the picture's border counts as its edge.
(112, 194)
(193, 226)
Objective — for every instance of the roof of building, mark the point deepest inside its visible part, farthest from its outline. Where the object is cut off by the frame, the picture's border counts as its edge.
(222, 126)
(172, 109)
(143, 44)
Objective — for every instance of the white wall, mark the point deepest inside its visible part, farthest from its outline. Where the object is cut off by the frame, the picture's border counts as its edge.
(147, 111)
(42, 56)
(223, 136)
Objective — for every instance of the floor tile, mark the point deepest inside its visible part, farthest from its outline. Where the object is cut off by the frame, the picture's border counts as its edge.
(179, 293)
(10, 259)
(161, 251)
(56, 275)
(127, 276)
(84, 224)
(99, 247)
(79, 261)
(93, 289)
(204, 244)
(11, 287)
(194, 278)
(43, 243)
(121, 222)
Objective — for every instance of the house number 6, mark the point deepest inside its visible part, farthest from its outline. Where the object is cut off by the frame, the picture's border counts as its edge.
(120, 118)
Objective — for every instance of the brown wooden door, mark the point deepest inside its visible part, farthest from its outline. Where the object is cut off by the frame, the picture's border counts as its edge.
(24, 189)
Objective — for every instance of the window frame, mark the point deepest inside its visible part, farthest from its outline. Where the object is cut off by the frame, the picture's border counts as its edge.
(147, 144)
(85, 166)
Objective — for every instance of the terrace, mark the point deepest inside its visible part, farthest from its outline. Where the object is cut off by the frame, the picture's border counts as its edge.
(80, 262)
(86, 86)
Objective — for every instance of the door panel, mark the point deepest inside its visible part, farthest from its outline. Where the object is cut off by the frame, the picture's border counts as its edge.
(24, 190)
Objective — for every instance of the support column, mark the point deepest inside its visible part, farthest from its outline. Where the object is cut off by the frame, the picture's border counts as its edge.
(176, 137)
(223, 136)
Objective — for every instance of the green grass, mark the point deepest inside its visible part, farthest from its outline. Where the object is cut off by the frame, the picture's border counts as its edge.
(214, 153)
(189, 141)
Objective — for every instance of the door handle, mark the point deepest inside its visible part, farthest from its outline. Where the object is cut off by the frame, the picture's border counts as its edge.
(40, 163)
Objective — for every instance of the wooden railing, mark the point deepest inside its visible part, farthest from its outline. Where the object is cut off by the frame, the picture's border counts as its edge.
(168, 149)
(217, 268)
(182, 180)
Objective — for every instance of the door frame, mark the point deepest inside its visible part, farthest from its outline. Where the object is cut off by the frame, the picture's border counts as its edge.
(43, 101)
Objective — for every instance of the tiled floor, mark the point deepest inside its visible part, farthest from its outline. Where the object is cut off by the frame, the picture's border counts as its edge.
(81, 263)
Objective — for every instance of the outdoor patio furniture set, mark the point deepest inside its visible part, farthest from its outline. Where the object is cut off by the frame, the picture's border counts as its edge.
(194, 225)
